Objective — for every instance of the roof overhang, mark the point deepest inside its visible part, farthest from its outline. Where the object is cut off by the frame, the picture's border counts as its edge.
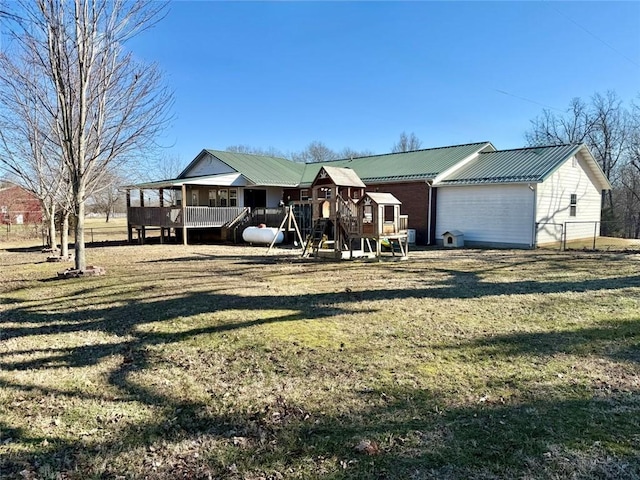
(221, 180)
(594, 166)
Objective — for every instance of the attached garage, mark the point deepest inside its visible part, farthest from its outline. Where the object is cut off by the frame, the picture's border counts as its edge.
(523, 198)
(487, 215)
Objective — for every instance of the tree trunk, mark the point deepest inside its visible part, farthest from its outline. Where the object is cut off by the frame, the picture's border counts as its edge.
(51, 212)
(64, 243)
(81, 262)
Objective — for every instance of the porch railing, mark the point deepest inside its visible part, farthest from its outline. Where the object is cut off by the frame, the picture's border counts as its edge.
(167, 217)
(171, 217)
(211, 216)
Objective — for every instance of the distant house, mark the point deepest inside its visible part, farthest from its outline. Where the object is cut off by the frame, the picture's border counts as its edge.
(512, 198)
(18, 206)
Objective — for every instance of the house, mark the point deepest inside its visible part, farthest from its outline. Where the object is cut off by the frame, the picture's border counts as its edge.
(504, 198)
(19, 206)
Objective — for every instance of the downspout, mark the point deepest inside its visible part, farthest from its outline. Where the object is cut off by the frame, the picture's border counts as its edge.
(429, 214)
(533, 217)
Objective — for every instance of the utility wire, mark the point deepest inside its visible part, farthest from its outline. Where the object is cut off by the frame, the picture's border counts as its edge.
(527, 100)
(604, 42)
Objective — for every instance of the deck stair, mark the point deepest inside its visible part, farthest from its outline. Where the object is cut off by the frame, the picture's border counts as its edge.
(230, 230)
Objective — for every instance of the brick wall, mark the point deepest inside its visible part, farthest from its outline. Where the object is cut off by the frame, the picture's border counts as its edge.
(15, 201)
(415, 203)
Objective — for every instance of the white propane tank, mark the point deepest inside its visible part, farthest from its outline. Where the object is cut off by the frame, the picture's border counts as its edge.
(262, 235)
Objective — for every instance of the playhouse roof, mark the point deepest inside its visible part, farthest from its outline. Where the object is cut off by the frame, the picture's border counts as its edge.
(383, 198)
(342, 177)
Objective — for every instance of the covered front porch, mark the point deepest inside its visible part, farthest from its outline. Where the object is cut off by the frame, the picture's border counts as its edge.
(178, 206)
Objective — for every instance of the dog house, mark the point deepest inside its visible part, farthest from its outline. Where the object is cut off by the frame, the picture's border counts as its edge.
(453, 239)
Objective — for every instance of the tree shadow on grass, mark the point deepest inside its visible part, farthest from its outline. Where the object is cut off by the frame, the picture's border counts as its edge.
(407, 433)
(123, 319)
(618, 340)
(414, 433)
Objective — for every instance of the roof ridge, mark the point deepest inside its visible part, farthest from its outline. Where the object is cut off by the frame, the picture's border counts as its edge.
(400, 153)
(212, 151)
(534, 147)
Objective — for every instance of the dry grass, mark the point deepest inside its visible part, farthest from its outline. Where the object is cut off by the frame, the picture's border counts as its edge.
(219, 362)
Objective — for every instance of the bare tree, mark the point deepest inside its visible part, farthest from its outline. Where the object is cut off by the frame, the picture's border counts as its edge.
(316, 151)
(574, 126)
(108, 107)
(406, 143)
(267, 152)
(606, 126)
(349, 152)
(108, 195)
(166, 167)
(27, 151)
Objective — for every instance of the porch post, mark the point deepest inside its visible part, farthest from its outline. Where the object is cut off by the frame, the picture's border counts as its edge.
(142, 229)
(161, 192)
(184, 214)
(129, 227)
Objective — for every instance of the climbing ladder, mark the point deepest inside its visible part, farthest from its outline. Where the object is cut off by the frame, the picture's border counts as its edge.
(314, 240)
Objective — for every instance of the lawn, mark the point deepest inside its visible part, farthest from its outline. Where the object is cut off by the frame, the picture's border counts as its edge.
(221, 362)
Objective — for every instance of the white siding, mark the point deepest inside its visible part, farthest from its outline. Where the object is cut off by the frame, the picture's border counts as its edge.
(274, 195)
(553, 204)
(208, 165)
(500, 215)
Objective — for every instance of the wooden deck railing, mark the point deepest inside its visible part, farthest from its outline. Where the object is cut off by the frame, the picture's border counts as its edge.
(403, 224)
(167, 217)
(171, 217)
(211, 216)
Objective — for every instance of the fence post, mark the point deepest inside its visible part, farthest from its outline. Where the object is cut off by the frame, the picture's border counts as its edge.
(564, 237)
(595, 230)
(91, 234)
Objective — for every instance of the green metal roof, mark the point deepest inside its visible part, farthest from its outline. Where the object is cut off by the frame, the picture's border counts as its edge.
(522, 165)
(259, 169)
(416, 165)
(486, 166)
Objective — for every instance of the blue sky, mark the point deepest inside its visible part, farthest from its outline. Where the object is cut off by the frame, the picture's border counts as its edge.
(282, 74)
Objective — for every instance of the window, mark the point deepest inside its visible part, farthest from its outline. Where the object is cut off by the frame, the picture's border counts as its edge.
(212, 198)
(389, 214)
(324, 192)
(304, 194)
(233, 197)
(355, 194)
(368, 214)
(223, 198)
(573, 204)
